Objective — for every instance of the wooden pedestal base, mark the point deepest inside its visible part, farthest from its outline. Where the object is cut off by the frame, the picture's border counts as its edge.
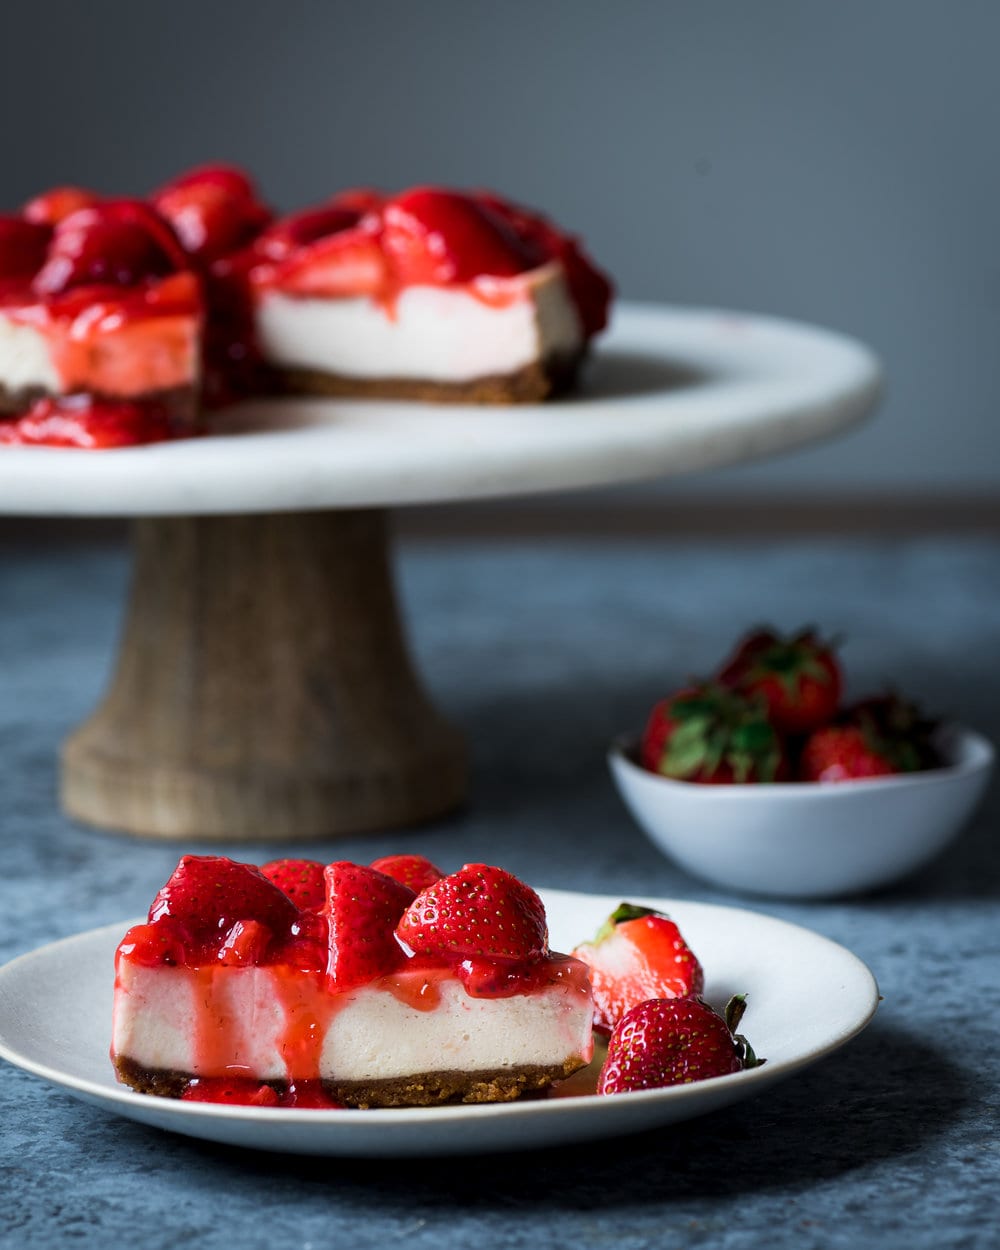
(263, 689)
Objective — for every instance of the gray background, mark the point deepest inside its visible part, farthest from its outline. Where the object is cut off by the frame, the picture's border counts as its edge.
(833, 162)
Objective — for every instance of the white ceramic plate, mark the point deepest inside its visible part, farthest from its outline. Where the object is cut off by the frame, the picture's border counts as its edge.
(670, 390)
(806, 996)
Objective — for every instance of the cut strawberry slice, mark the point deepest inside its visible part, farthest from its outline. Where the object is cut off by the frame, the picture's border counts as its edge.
(349, 262)
(210, 893)
(637, 954)
(298, 230)
(442, 237)
(363, 908)
(118, 242)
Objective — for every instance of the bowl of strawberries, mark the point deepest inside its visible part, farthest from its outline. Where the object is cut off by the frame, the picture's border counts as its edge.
(762, 779)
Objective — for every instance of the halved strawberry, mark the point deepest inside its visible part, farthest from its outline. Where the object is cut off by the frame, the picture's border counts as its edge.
(300, 229)
(349, 262)
(673, 1042)
(214, 211)
(228, 178)
(637, 954)
(245, 945)
(439, 237)
(479, 912)
(117, 243)
(210, 893)
(167, 942)
(363, 907)
(797, 676)
(413, 870)
(301, 879)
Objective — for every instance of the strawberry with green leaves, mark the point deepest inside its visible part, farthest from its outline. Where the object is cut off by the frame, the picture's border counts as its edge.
(877, 737)
(674, 1041)
(712, 735)
(798, 677)
(637, 954)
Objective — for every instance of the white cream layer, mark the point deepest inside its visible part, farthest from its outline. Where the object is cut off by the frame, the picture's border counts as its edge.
(25, 359)
(372, 1035)
(437, 334)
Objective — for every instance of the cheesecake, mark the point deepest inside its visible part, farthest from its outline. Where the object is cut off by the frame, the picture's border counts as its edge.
(100, 325)
(302, 984)
(430, 295)
(124, 321)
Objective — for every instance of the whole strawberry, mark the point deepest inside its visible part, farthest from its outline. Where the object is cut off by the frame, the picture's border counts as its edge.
(878, 737)
(479, 912)
(714, 736)
(637, 954)
(673, 1041)
(798, 677)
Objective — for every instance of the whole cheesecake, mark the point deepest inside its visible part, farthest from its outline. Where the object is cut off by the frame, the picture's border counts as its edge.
(340, 985)
(121, 321)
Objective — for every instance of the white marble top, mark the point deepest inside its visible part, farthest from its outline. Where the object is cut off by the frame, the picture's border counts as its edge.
(668, 391)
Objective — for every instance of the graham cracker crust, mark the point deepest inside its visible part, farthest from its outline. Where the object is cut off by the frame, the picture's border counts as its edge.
(533, 383)
(428, 1089)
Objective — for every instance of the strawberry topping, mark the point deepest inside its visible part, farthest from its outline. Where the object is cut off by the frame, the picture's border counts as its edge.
(363, 907)
(214, 211)
(479, 912)
(115, 243)
(301, 879)
(49, 209)
(209, 894)
(413, 870)
(23, 246)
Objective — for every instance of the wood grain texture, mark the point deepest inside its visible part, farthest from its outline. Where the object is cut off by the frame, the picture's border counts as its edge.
(263, 689)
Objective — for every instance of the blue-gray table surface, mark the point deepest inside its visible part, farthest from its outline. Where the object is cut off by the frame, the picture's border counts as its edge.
(542, 652)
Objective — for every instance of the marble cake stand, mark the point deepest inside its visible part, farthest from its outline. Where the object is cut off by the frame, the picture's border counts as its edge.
(263, 688)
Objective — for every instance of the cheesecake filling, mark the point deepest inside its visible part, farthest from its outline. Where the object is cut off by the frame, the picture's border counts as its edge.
(26, 363)
(441, 334)
(277, 1024)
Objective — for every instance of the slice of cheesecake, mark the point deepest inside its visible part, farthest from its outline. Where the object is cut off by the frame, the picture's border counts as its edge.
(431, 294)
(100, 325)
(349, 989)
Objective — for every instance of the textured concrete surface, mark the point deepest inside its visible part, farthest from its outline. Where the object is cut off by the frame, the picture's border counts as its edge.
(543, 653)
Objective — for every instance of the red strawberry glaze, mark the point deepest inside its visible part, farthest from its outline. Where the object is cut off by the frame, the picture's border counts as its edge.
(361, 244)
(89, 424)
(243, 1091)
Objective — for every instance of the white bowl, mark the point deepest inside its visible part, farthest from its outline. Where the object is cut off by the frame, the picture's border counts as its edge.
(809, 839)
